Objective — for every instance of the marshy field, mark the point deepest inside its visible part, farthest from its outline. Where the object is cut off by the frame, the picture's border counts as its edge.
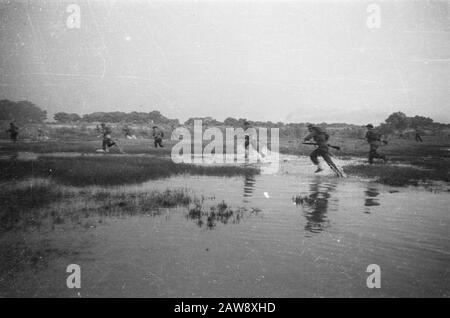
(140, 225)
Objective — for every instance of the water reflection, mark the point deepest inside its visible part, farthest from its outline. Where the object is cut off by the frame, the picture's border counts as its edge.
(371, 194)
(249, 187)
(316, 204)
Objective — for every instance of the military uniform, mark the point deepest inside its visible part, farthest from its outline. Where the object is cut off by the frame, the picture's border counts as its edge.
(248, 137)
(107, 139)
(157, 137)
(13, 132)
(321, 139)
(417, 137)
(127, 131)
(374, 140)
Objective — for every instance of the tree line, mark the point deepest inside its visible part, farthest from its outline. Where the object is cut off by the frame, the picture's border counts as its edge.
(398, 122)
(27, 112)
(116, 117)
(21, 111)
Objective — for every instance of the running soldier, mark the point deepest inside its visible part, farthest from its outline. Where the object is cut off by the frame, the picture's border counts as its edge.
(250, 139)
(321, 139)
(128, 132)
(247, 137)
(107, 139)
(374, 140)
(41, 135)
(157, 136)
(417, 137)
(13, 132)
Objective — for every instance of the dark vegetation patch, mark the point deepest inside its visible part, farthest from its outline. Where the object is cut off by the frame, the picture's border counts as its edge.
(47, 205)
(88, 147)
(136, 203)
(109, 171)
(30, 207)
(22, 205)
(218, 214)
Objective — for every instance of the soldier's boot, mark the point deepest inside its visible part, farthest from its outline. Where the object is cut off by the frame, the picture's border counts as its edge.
(319, 168)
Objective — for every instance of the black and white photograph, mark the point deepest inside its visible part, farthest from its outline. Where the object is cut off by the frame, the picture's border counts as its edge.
(232, 150)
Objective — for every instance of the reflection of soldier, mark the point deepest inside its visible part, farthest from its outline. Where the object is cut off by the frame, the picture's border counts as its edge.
(371, 195)
(374, 139)
(317, 202)
(13, 132)
(249, 185)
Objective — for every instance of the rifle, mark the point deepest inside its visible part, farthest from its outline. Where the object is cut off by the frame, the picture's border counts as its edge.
(313, 143)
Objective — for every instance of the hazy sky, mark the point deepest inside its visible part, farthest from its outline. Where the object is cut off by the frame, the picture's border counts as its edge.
(291, 61)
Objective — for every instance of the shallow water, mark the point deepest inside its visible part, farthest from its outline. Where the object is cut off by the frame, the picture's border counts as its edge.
(299, 235)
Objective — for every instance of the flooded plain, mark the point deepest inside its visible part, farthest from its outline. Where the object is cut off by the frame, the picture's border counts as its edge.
(292, 234)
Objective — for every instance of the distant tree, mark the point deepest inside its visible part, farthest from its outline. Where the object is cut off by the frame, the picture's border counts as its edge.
(207, 121)
(241, 121)
(137, 117)
(231, 122)
(420, 121)
(22, 111)
(62, 117)
(154, 117)
(109, 117)
(385, 129)
(398, 121)
(92, 117)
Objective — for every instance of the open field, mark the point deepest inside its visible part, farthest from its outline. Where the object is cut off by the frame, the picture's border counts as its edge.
(397, 147)
(429, 160)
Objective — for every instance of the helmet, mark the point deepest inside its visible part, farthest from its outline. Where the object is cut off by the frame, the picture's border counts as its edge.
(369, 126)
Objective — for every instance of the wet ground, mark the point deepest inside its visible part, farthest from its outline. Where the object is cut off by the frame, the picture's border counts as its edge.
(293, 234)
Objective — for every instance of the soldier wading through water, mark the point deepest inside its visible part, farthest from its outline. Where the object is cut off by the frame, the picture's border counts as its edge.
(374, 140)
(321, 139)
